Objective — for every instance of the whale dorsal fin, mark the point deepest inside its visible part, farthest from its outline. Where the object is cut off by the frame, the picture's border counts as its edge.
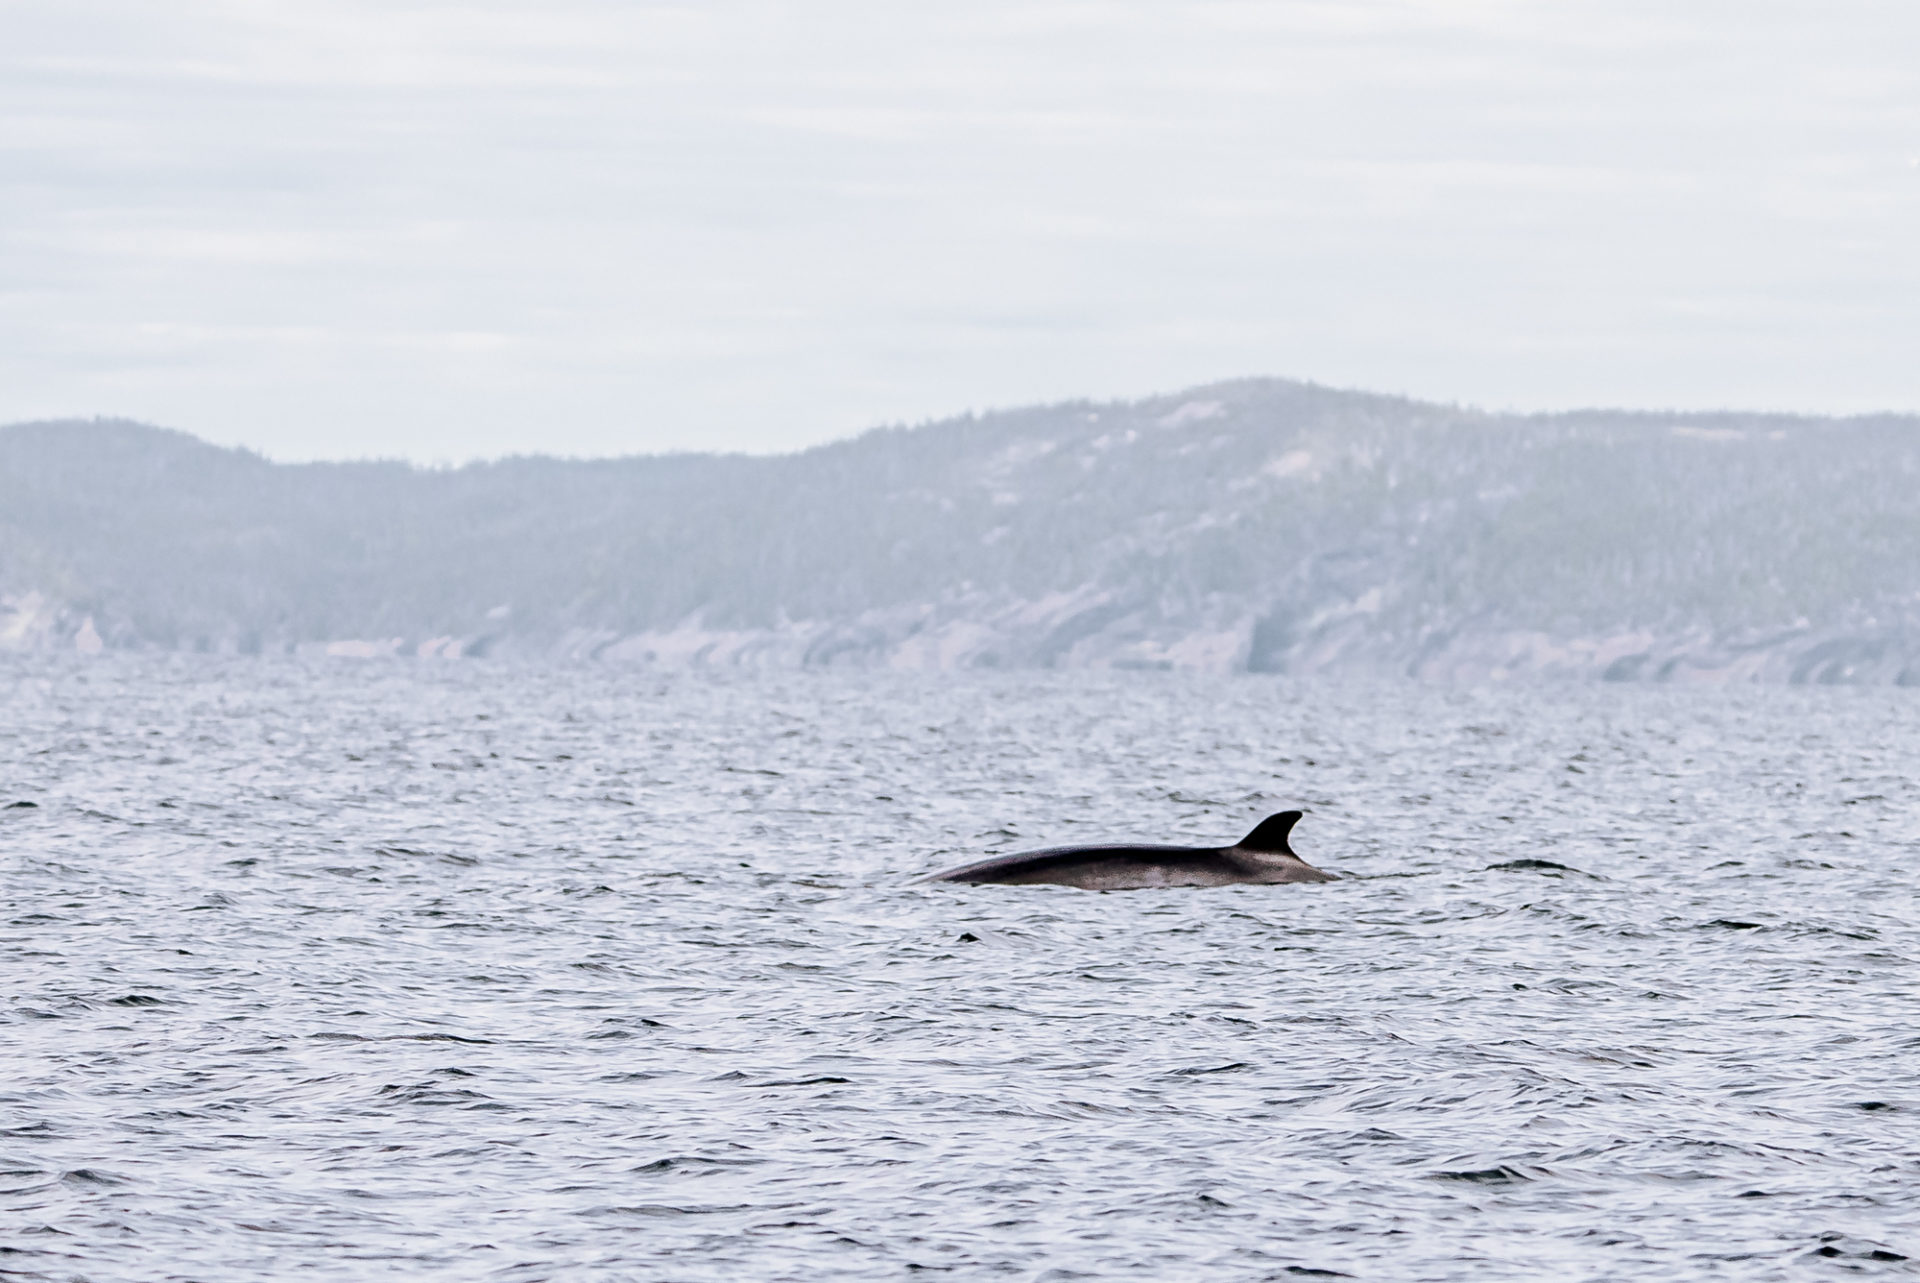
(1271, 834)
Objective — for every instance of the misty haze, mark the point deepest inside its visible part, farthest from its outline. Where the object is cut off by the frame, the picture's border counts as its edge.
(1255, 526)
(1236, 640)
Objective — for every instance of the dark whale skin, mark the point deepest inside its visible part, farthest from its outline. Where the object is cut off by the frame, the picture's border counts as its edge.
(1262, 858)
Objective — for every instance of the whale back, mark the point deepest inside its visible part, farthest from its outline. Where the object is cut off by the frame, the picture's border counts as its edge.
(1262, 857)
(1270, 834)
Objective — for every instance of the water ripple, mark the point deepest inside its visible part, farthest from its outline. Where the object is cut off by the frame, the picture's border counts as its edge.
(507, 973)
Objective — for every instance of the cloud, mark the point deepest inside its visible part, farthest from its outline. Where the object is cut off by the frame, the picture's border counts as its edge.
(325, 228)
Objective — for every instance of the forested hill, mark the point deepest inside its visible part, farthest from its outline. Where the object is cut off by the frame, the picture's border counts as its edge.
(1260, 525)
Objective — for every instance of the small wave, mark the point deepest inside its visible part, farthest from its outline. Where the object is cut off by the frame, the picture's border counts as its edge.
(1501, 1174)
(1538, 866)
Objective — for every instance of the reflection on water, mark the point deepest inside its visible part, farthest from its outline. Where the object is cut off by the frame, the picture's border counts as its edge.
(386, 969)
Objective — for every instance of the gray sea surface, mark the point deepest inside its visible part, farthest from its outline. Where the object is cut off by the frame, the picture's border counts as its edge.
(471, 970)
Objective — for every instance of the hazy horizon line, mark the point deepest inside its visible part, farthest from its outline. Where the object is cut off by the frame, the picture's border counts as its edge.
(1116, 401)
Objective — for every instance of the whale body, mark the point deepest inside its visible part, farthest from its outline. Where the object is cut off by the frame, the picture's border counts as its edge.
(1261, 857)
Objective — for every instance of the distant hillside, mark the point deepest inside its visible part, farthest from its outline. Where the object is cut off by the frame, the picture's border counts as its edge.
(1259, 525)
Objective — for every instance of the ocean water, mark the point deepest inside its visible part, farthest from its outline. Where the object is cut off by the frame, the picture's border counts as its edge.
(475, 971)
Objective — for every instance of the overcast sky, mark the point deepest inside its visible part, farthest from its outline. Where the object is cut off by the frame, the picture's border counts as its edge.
(337, 229)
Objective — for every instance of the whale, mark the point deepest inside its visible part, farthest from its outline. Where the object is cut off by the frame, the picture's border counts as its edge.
(1261, 858)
